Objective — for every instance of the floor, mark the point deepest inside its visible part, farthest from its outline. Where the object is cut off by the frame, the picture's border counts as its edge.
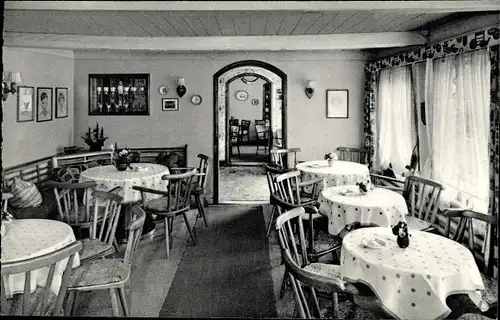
(249, 154)
(243, 183)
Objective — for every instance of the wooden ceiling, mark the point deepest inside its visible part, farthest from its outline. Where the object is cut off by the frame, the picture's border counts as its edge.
(46, 20)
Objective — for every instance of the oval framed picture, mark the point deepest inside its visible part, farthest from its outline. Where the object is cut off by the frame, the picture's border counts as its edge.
(196, 99)
(241, 95)
(255, 102)
(163, 89)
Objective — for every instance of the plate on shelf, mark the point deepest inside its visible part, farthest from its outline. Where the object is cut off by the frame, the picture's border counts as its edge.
(196, 99)
(163, 89)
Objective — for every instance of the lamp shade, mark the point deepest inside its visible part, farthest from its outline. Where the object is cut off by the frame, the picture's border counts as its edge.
(181, 82)
(311, 84)
(15, 77)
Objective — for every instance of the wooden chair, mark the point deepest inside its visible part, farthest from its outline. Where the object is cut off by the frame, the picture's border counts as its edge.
(199, 185)
(482, 247)
(245, 131)
(109, 274)
(353, 154)
(72, 208)
(174, 201)
(234, 138)
(106, 214)
(325, 277)
(262, 135)
(271, 173)
(42, 302)
(422, 196)
(385, 182)
(280, 157)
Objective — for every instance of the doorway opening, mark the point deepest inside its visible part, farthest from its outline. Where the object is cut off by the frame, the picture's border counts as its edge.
(250, 120)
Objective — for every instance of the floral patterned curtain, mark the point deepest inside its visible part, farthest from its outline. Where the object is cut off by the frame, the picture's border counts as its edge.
(369, 112)
(494, 203)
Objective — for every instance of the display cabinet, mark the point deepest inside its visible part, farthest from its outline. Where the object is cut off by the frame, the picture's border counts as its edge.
(119, 94)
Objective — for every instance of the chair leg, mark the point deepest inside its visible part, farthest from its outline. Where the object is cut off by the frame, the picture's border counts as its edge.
(317, 309)
(283, 285)
(201, 209)
(189, 228)
(123, 300)
(271, 222)
(167, 237)
(335, 305)
(114, 302)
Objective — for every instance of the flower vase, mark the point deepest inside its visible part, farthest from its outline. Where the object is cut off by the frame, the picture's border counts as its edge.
(121, 165)
(330, 162)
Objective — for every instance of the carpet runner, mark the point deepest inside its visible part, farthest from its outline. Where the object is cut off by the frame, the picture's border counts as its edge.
(228, 272)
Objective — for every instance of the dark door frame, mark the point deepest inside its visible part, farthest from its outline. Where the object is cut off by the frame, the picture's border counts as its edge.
(238, 64)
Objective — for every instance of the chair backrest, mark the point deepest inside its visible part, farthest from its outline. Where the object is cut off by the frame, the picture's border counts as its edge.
(422, 196)
(280, 157)
(245, 125)
(69, 205)
(178, 193)
(235, 131)
(262, 130)
(485, 253)
(299, 275)
(42, 307)
(385, 182)
(287, 187)
(111, 204)
(353, 154)
(234, 121)
(203, 169)
(134, 229)
(290, 227)
(259, 122)
(271, 173)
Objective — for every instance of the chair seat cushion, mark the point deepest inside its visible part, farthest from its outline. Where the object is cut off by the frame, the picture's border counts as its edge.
(24, 194)
(94, 248)
(324, 269)
(417, 224)
(99, 272)
(159, 205)
(15, 305)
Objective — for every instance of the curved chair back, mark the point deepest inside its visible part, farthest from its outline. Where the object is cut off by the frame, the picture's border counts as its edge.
(287, 186)
(71, 209)
(41, 307)
(290, 227)
(134, 229)
(179, 190)
(280, 157)
(271, 173)
(107, 212)
(421, 197)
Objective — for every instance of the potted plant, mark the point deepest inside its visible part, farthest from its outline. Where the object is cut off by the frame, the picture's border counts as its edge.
(331, 157)
(95, 139)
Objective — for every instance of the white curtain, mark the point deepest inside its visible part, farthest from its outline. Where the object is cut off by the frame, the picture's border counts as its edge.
(457, 99)
(395, 122)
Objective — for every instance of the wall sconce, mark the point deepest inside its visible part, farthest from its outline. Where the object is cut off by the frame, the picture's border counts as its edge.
(181, 87)
(310, 88)
(10, 86)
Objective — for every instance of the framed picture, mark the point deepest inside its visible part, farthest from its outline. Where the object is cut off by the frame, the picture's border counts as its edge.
(337, 103)
(169, 104)
(61, 102)
(25, 104)
(43, 104)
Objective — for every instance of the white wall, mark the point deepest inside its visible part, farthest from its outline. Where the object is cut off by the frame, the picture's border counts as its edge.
(245, 110)
(27, 141)
(308, 126)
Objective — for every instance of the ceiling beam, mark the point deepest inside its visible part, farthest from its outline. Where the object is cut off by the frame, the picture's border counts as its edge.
(309, 6)
(351, 41)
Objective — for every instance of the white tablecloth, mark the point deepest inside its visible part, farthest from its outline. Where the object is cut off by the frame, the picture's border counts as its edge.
(340, 173)
(29, 238)
(412, 283)
(108, 177)
(381, 207)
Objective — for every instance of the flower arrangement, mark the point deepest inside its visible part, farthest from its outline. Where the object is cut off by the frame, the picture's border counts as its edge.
(330, 157)
(95, 139)
(364, 186)
(121, 158)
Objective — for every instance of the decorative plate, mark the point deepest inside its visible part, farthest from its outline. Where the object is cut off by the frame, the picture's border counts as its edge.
(255, 102)
(163, 89)
(196, 99)
(241, 95)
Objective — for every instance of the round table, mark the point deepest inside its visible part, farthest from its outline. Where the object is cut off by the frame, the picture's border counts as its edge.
(29, 238)
(340, 173)
(412, 283)
(143, 174)
(380, 207)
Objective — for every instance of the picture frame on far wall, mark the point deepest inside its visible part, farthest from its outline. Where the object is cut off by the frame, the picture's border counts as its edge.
(43, 104)
(169, 104)
(61, 104)
(25, 104)
(337, 103)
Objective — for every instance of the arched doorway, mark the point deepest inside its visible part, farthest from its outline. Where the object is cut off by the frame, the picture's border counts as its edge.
(222, 79)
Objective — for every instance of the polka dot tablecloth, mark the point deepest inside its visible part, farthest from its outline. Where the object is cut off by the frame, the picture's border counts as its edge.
(108, 177)
(380, 207)
(340, 173)
(412, 283)
(29, 238)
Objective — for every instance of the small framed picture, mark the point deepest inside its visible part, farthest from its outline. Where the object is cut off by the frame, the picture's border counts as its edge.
(337, 103)
(43, 104)
(61, 102)
(25, 104)
(170, 104)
